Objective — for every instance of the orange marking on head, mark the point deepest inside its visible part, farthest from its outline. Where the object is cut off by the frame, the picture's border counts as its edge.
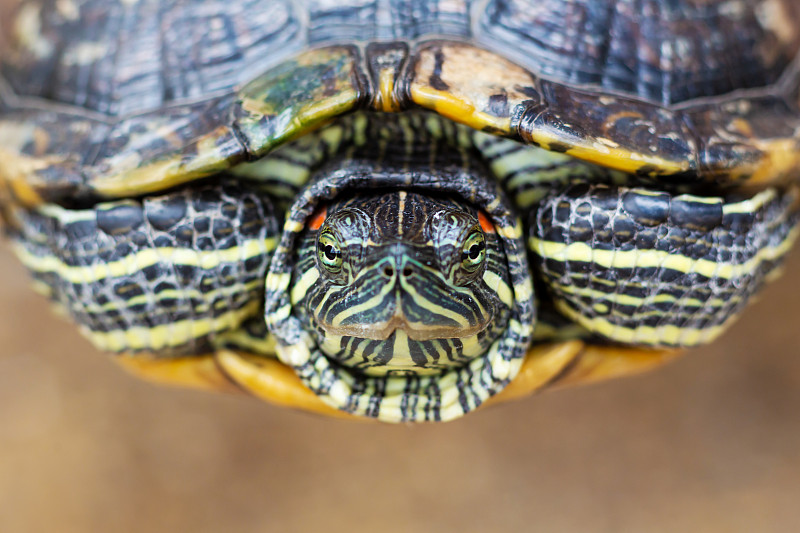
(318, 218)
(486, 224)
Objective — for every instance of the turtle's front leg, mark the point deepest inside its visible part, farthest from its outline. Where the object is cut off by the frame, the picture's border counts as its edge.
(163, 276)
(648, 268)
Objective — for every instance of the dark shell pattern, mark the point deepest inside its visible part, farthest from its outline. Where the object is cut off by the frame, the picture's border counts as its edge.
(110, 99)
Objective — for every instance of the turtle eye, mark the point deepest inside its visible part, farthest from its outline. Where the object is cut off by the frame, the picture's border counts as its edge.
(474, 251)
(329, 252)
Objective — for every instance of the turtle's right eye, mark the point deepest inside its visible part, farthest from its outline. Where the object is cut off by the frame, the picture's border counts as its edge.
(474, 251)
(329, 252)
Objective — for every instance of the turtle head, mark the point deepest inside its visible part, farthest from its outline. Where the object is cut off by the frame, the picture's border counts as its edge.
(400, 288)
(397, 281)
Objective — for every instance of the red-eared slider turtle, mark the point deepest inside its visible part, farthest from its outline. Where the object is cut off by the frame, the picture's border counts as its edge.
(399, 208)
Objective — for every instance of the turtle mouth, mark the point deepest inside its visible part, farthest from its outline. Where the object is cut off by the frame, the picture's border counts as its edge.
(415, 331)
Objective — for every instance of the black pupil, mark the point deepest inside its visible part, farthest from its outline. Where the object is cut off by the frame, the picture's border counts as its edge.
(475, 250)
(331, 253)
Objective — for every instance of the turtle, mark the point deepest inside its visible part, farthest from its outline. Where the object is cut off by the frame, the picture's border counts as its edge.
(399, 210)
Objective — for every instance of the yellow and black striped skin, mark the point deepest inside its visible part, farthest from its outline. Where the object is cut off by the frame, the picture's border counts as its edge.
(651, 268)
(165, 274)
(414, 284)
(393, 139)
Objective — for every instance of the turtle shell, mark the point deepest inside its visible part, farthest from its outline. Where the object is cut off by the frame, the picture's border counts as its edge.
(110, 99)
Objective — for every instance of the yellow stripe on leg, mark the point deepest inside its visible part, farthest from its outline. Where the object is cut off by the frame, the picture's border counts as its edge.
(582, 252)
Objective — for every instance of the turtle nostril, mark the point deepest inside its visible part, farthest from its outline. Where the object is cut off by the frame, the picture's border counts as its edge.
(388, 271)
(407, 271)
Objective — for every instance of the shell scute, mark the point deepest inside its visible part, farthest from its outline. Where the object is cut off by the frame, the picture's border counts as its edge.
(163, 149)
(443, 78)
(297, 96)
(614, 131)
(665, 52)
(43, 152)
(121, 58)
(755, 141)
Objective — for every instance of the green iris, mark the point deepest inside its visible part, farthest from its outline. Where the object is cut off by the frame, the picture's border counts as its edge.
(329, 252)
(474, 251)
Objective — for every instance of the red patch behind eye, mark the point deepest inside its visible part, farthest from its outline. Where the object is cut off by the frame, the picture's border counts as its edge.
(317, 219)
(486, 224)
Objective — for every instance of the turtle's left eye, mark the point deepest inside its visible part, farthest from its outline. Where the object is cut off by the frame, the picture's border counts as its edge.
(474, 251)
(329, 252)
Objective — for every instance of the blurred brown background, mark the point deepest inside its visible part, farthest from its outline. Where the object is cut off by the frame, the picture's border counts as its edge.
(709, 443)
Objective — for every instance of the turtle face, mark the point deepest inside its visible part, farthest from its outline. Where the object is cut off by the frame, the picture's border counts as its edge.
(398, 281)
